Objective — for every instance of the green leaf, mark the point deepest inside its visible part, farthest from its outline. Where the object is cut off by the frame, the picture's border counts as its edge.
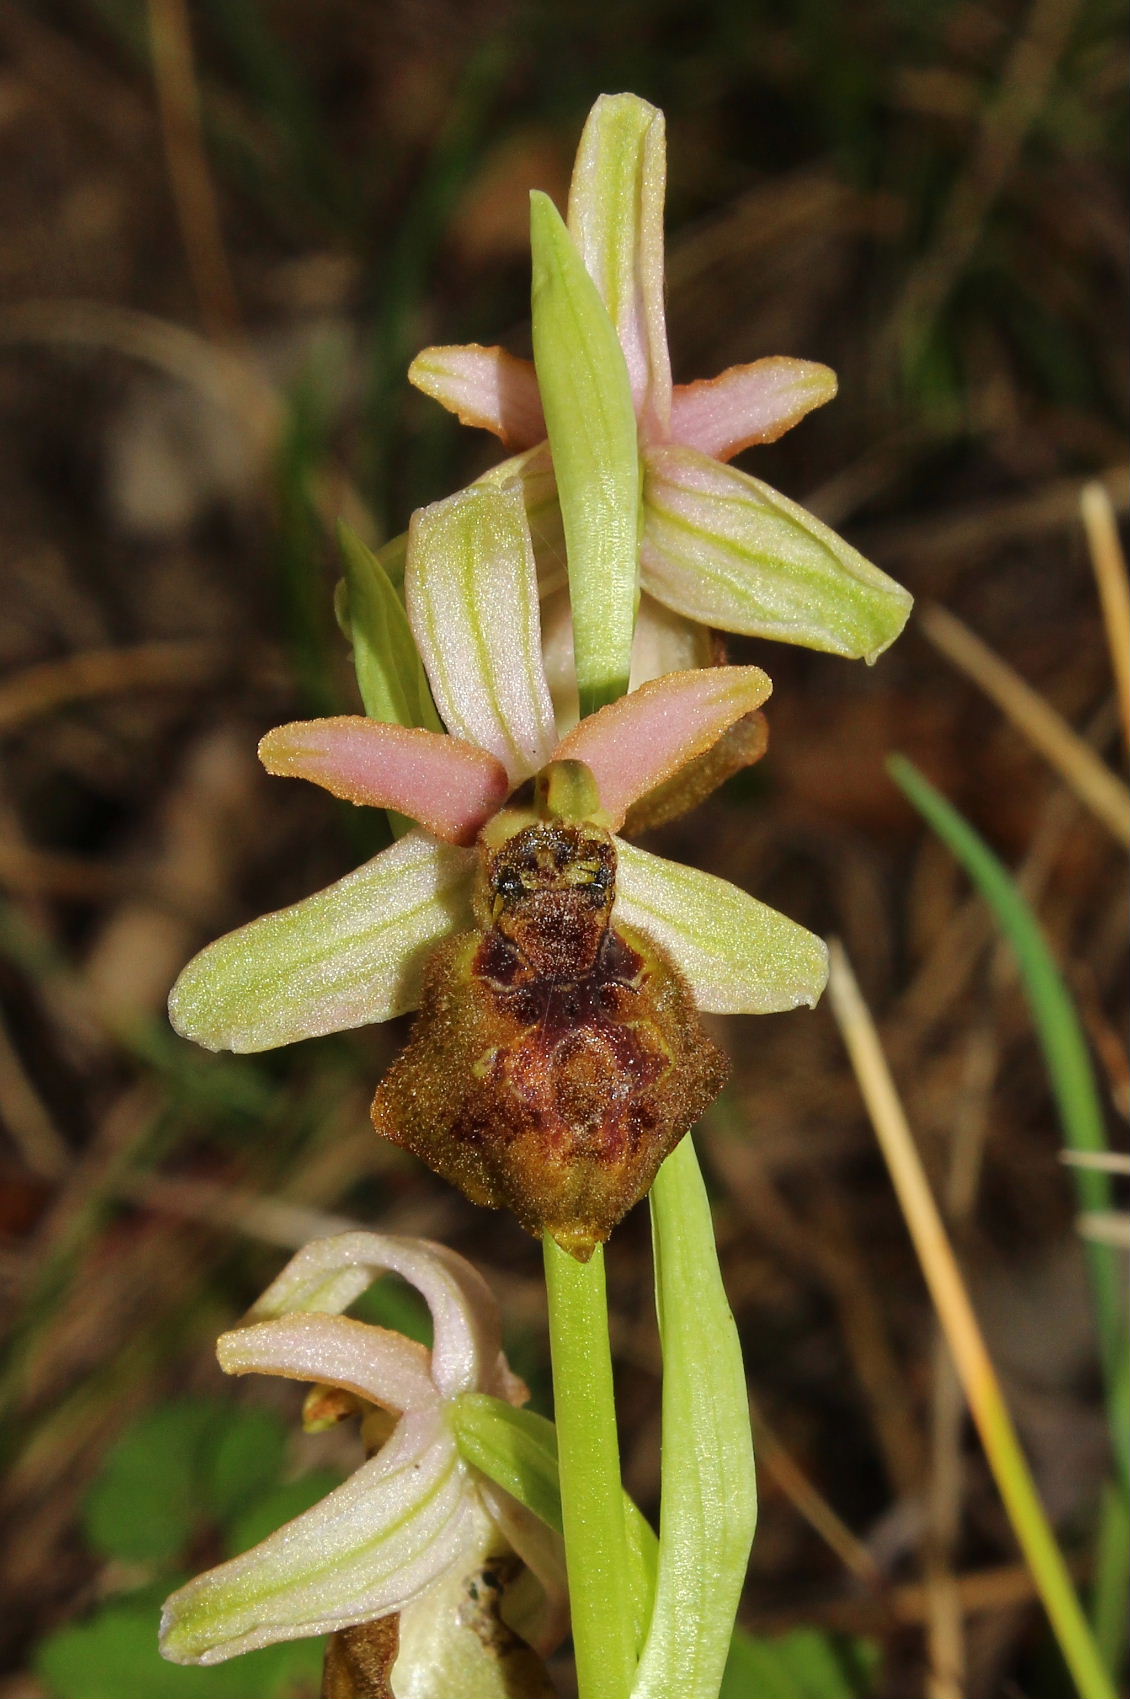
(708, 1485)
(518, 1450)
(114, 1655)
(245, 1457)
(804, 1664)
(145, 1502)
(591, 420)
(390, 674)
(391, 1302)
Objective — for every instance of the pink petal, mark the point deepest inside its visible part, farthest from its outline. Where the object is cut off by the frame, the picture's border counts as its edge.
(328, 1275)
(373, 1362)
(643, 739)
(486, 387)
(747, 404)
(616, 220)
(451, 787)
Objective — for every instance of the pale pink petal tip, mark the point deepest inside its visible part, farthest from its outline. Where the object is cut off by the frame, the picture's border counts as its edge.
(643, 739)
(333, 1350)
(748, 404)
(449, 786)
(485, 387)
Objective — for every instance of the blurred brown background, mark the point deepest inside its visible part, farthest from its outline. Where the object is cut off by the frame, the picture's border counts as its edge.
(226, 230)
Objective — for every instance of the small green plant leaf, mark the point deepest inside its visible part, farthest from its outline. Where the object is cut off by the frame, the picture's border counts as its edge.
(245, 1457)
(390, 674)
(804, 1664)
(391, 1302)
(518, 1450)
(114, 1656)
(145, 1502)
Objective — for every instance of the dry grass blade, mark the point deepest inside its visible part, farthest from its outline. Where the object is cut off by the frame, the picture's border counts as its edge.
(223, 376)
(979, 1592)
(1104, 794)
(191, 179)
(1106, 1227)
(106, 672)
(272, 1221)
(1103, 1161)
(810, 1503)
(25, 1116)
(1026, 79)
(966, 1341)
(982, 529)
(1109, 563)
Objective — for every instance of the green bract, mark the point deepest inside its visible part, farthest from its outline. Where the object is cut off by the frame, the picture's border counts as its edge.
(591, 422)
(390, 675)
(709, 1490)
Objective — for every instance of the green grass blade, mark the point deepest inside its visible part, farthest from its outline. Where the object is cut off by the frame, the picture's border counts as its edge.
(1060, 1033)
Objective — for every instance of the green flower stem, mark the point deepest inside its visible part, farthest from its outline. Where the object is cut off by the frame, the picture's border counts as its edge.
(592, 1503)
(518, 1450)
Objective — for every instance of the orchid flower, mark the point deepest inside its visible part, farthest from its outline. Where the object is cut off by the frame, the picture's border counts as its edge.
(718, 548)
(355, 952)
(414, 1528)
